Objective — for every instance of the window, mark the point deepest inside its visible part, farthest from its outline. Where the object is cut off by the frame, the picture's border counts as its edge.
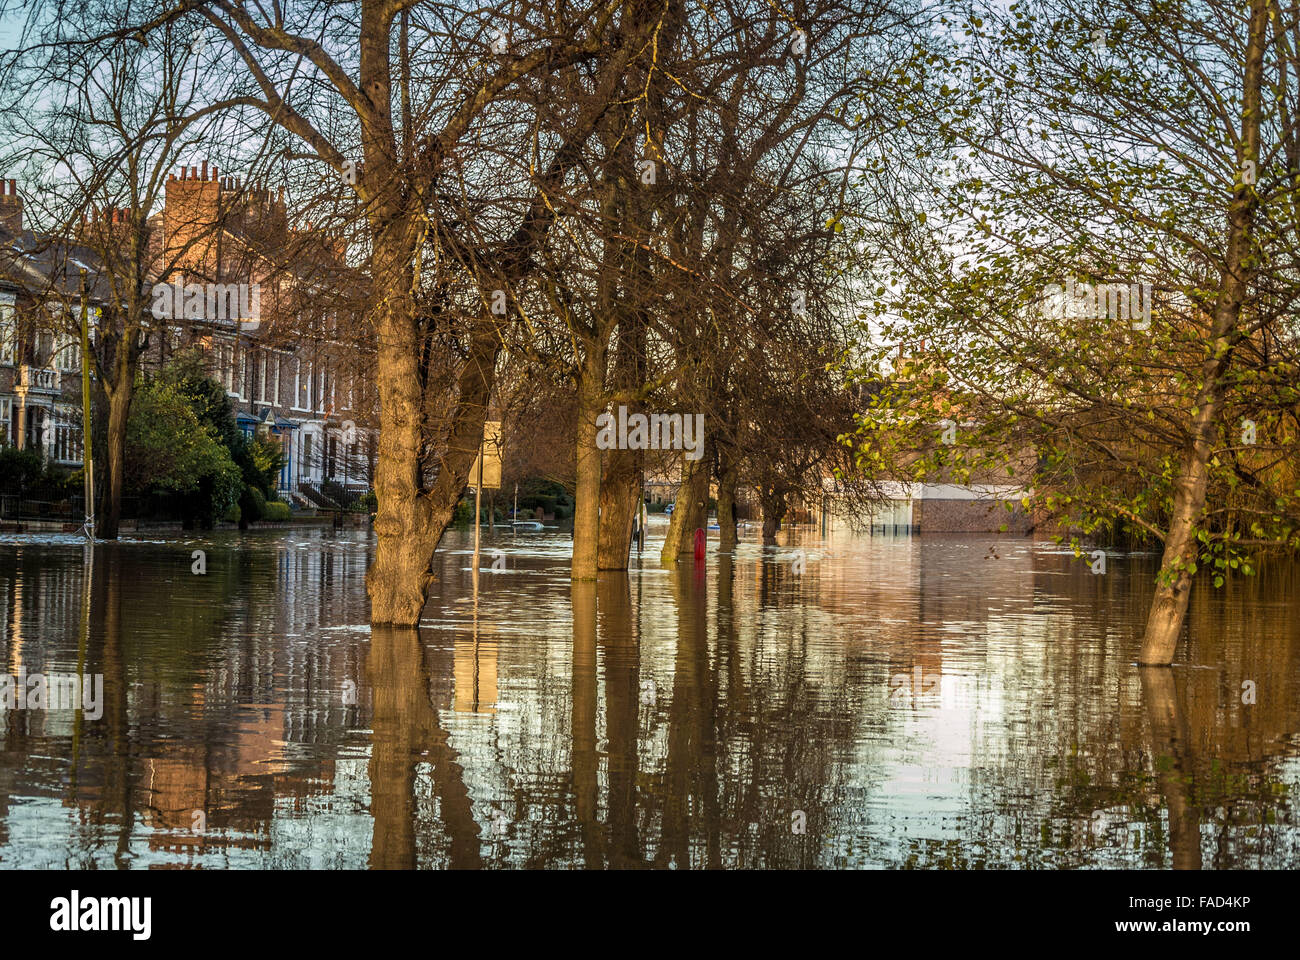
(275, 379)
(227, 367)
(67, 437)
(6, 419)
(67, 352)
(305, 385)
(304, 465)
(263, 366)
(8, 333)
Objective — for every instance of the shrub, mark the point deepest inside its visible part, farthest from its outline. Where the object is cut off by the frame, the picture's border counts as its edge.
(252, 504)
(19, 468)
(168, 448)
(276, 511)
(368, 501)
(232, 514)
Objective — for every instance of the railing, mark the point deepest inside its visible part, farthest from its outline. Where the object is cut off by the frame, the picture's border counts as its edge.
(38, 378)
(313, 492)
(18, 507)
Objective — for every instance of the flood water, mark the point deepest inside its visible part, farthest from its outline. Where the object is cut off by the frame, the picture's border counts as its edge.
(871, 702)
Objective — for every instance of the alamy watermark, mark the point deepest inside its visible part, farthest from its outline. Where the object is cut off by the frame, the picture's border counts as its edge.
(1102, 301)
(75, 913)
(207, 301)
(54, 691)
(656, 431)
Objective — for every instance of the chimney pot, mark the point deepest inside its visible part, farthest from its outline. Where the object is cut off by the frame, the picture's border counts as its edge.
(205, 170)
(13, 188)
(194, 173)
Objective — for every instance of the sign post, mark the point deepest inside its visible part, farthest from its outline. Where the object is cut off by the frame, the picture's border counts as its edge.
(486, 473)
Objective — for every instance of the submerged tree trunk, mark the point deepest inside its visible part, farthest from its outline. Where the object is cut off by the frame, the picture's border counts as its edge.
(690, 511)
(620, 497)
(399, 577)
(435, 508)
(586, 510)
(727, 509)
(119, 408)
(1174, 584)
(773, 503)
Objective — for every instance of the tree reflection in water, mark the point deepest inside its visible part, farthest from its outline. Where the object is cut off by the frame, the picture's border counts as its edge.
(910, 702)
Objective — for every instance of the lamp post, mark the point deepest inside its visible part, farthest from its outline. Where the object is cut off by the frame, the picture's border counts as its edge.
(87, 455)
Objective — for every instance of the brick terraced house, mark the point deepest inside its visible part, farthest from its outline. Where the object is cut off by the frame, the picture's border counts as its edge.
(273, 308)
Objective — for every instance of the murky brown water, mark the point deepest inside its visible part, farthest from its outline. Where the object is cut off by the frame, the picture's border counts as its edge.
(907, 702)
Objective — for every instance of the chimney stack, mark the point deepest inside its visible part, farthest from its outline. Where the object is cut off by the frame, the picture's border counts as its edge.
(189, 212)
(11, 207)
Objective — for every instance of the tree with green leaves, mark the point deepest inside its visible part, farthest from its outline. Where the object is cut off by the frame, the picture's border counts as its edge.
(171, 449)
(1096, 269)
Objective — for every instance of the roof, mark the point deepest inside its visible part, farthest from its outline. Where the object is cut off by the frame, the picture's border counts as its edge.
(43, 265)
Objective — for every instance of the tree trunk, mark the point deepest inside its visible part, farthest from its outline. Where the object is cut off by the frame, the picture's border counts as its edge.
(773, 502)
(620, 490)
(119, 408)
(586, 510)
(727, 510)
(400, 575)
(1174, 584)
(690, 511)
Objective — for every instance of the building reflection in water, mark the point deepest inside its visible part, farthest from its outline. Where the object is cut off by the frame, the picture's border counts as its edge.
(891, 702)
